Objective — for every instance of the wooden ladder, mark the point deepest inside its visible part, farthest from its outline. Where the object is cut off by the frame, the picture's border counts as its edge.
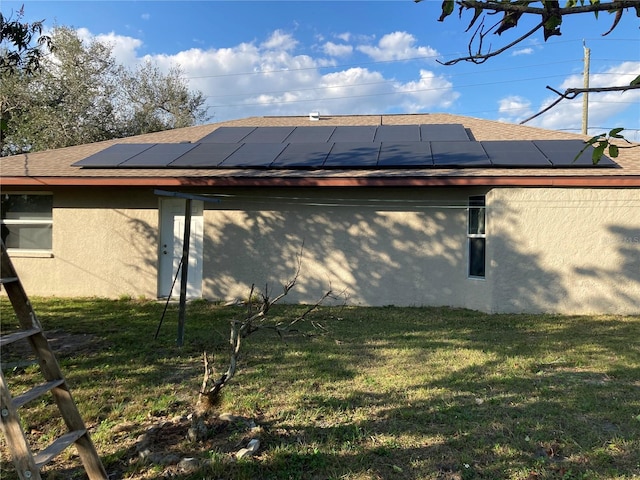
(27, 463)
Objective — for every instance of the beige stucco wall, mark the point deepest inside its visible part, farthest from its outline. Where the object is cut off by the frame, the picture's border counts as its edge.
(564, 250)
(379, 246)
(104, 244)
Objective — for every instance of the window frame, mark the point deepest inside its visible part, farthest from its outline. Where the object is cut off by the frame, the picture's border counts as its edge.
(477, 204)
(37, 222)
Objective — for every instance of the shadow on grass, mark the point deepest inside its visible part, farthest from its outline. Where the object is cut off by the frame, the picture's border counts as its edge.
(388, 393)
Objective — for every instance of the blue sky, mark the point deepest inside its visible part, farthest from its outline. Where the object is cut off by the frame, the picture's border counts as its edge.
(362, 57)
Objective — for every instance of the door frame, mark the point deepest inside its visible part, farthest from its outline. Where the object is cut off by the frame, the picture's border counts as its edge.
(172, 214)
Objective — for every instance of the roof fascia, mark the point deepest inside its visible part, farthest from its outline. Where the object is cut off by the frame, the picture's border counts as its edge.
(626, 181)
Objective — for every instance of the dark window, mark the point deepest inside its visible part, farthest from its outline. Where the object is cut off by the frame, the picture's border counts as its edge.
(27, 221)
(476, 236)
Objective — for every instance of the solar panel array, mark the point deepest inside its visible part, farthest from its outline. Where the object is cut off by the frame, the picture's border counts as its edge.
(346, 147)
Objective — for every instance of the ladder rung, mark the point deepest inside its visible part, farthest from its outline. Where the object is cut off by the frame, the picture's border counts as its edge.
(36, 392)
(45, 456)
(14, 337)
(8, 279)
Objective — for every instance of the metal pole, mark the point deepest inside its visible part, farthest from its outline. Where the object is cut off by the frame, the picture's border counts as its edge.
(585, 98)
(185, 271)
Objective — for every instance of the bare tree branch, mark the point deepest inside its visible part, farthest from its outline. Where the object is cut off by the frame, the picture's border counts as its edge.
(479, 58)
(550, 13)
(571, 93)
(256, 318)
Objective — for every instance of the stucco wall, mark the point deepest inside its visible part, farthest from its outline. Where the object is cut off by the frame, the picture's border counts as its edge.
(567, 250)
(380, 246)
(564, 250)
(104, 244)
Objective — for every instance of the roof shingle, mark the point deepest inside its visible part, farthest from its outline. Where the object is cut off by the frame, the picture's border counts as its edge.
(54, 167)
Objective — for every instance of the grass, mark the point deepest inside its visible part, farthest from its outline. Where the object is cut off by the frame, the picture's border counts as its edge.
(387, 393)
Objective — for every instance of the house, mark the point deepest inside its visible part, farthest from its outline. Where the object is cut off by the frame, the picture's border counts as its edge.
(425, 209)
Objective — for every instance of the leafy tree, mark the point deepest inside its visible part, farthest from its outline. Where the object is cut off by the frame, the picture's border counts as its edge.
(159, 102)
(80, 94)
(18, 55)
(17, 52)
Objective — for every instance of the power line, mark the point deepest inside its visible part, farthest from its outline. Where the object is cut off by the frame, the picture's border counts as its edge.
(380, 94)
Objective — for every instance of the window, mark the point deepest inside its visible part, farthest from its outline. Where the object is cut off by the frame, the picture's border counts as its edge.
(27, 221)
(476, 235)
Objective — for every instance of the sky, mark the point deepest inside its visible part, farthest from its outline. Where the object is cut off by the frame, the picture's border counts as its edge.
(258, 58)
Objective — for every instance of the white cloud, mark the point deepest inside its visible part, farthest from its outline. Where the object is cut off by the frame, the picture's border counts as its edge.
(124, 48)
(337, 50)
(428, 92)
(270, 78)
(280, 40)
(145, 16)
(514, 109)
(397, 46)
(523, 51)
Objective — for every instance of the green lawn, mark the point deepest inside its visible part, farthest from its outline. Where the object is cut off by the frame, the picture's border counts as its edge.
(386, 393)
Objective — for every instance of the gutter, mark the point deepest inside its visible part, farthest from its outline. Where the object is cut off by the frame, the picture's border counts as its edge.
(624, 181)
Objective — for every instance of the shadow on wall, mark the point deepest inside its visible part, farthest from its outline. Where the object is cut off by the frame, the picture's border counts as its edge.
(515, 268)
(140, 236)
(395, 251)
(401, 250)
(615, 288)
(546, 258)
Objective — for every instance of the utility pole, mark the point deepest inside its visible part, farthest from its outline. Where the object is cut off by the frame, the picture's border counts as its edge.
(585, 98)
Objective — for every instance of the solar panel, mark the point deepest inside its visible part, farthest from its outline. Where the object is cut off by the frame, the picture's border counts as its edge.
(205, 155)
(398, 133)
(346, 147)
(443, 132)
(268, 135)
(515, 154)
(310, 134)
(303, 155)
(562, 153)
(114, 155)
(254, 155)
(459, 154)
(158, 156)
(353, 155)
(355, 134)
(405, 154)
(227, 135)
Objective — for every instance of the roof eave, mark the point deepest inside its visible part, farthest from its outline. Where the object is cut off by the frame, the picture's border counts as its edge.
(626, 181)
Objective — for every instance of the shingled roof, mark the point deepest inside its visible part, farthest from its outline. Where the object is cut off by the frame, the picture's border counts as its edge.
(56, 167)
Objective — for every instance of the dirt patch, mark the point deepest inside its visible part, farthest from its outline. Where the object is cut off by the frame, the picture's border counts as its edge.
(63, 344)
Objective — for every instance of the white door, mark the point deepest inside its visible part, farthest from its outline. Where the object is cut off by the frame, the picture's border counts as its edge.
(170, 253)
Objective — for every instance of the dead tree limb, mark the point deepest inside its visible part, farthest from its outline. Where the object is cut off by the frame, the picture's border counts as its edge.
(571, 93)
(550, 13)
(480, 57)
(256, 318)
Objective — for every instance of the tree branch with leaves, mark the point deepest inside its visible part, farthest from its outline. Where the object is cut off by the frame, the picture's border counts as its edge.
(551, 15)
(550, 12)
(17, 49)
